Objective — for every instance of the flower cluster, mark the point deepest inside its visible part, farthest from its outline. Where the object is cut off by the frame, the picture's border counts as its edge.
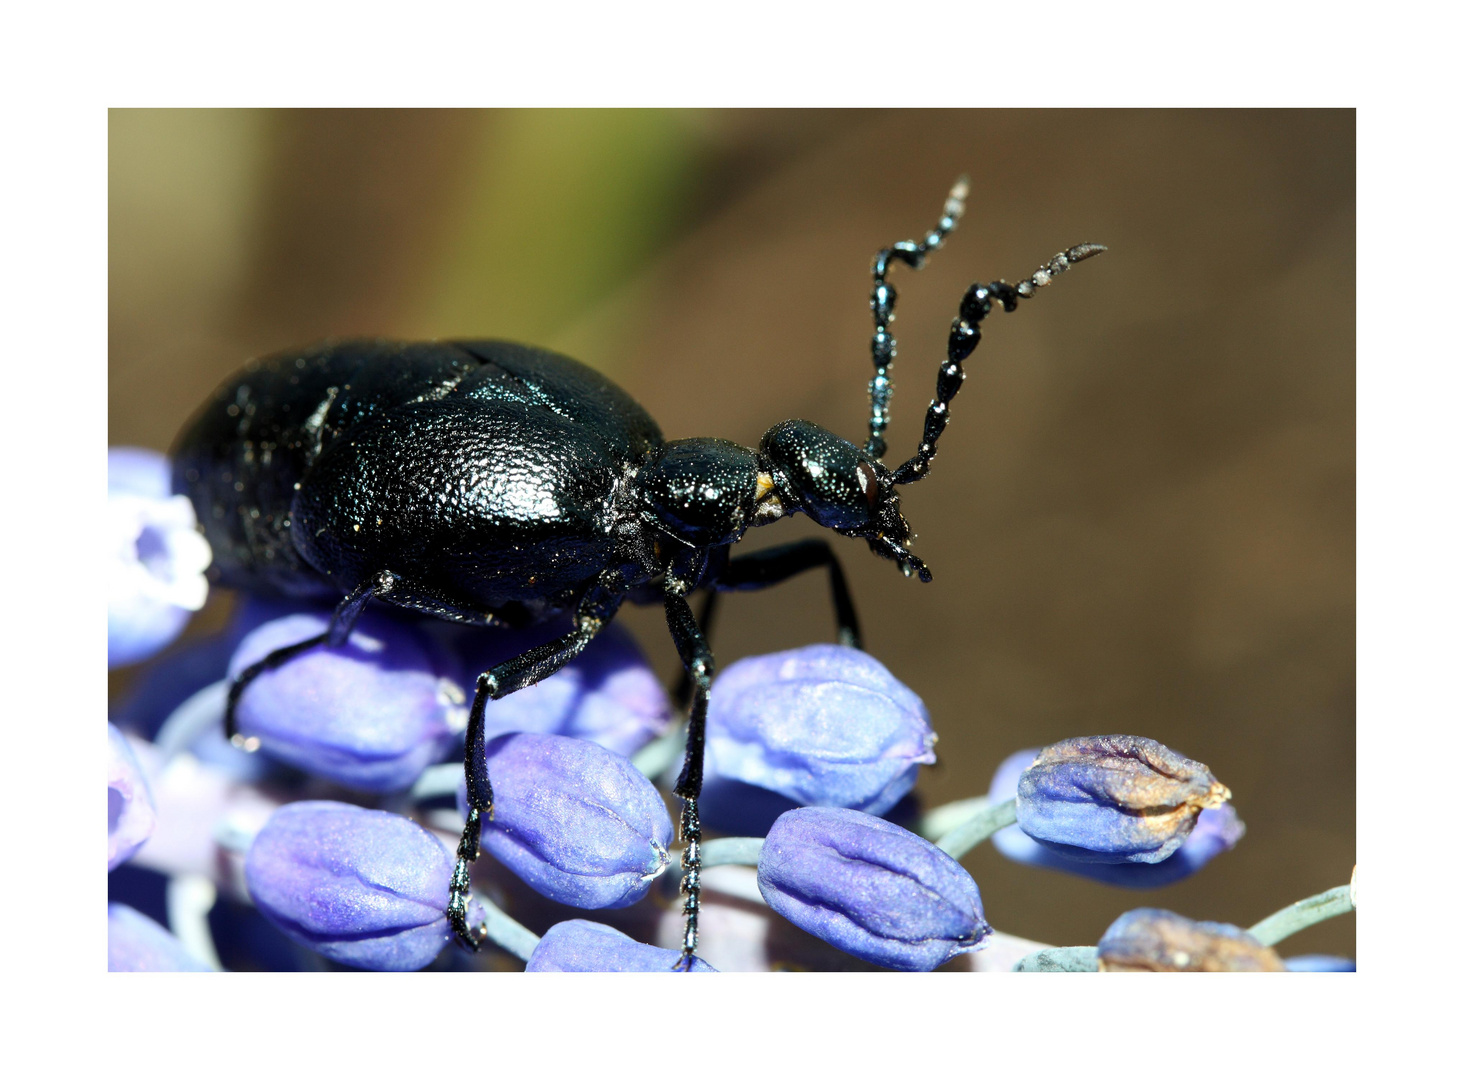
(332, 844)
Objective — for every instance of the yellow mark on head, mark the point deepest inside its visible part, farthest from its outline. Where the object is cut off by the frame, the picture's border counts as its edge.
(764, 484)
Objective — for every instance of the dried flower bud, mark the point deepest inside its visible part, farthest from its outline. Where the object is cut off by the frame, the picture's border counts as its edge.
(370, 714)
(1149, 939)
(575, 821)
(363, 887)
(580, 945)
(131, 811)
(823, 725)
(870, 888)
(155, 580)
(1114, 798)
(608, 694)
(1216, 830)
(136, 943)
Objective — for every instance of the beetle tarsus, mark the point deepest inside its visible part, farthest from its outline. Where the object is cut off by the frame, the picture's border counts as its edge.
(461, 887)
(690, 879)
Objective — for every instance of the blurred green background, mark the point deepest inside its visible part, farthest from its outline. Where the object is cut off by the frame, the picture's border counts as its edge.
(1142, 516)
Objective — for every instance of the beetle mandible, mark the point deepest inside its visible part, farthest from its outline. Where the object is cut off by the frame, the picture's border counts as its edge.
(485, 482)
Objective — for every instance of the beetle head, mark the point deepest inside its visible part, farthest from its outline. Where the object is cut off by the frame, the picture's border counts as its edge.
(840, 486)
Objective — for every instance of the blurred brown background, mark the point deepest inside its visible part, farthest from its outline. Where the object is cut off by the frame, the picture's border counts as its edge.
(1142, 516)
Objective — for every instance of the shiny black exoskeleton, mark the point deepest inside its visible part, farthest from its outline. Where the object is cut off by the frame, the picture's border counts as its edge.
(486, 482)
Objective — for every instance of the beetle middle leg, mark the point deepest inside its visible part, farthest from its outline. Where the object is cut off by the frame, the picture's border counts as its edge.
(772, 566)
(594, 611)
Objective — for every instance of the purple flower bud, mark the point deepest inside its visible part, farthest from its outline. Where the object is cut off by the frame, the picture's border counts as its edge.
(575, 821)
(870, 888)
(824, 725)
(1320, 962)
(136, 943)
(1216, 830)
(370, 714)
(1150, 939)
(363, 887)
(580, 945)
(1114, 799)
(131, 812)
(608, 694)
(155, 581)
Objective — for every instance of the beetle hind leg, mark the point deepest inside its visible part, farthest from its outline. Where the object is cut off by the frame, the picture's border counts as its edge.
(341, 624)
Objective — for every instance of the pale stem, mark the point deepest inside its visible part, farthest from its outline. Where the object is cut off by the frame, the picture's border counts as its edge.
(1304, 913)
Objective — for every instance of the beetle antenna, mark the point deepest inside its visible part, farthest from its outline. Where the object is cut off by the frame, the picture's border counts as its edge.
(882, 301)
(965, 335)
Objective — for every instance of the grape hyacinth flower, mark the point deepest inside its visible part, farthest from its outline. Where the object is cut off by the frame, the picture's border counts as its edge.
(608, 694)
(136, 943)
(370, 714)
(1150, 939)
(824, 725)
(363, 887)
(1114, 799)
(580, 945)
(131, 811)
(1216, 830)
(156, 580)
(575, 821)
(870, 888)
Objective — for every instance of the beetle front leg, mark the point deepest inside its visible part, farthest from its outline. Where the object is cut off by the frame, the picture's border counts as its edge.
(696, 658)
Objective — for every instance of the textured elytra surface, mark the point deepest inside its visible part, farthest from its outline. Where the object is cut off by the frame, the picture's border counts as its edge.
(481, 468)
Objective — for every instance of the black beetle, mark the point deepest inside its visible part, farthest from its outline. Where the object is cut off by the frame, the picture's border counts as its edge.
(486, 482)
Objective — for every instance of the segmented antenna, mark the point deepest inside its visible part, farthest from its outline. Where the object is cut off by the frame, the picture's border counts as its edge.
(965, 335)
(882, 301)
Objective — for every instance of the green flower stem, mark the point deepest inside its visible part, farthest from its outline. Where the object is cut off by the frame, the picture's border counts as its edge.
(1304, 913)
(732, 850)
(977, 828)
(437, 781)
(939, 820)
(659, 756)
(505, 932)
(724, 851)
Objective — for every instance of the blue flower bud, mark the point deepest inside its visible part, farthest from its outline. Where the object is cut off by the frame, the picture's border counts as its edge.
(1320, 962)
(131, 812)
(824, 725)
(575, 821)
(579, 945)
(1216, 830)
(363, 887)
(870, 888)
(1114, 799)
(136, 943)
(370, 714)
(1150, 939)
(608, 694)
(155, 580)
